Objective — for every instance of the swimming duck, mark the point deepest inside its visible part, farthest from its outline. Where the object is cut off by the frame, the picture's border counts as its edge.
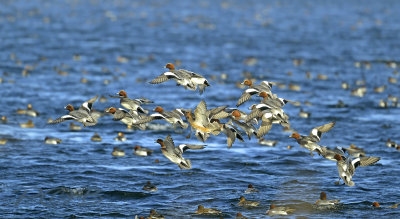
(279, 210)
(141, 151)
(4, 119)
(155, 215)
(359, 92)
(375, 204)
(380, 89)
(49, 140)
(96, 137)
(187, 79)
(383, 103)
(201, 122)
(246, 203)
(118, 152)
(310, 142)
(149, 187)
(392, 80)
(264, 86)
(174, 154)
(294, 87)
(308, 75)
(340, 104)
(131, 104)
(28, 124)
(240, 216)
(347, 166)
(120, 137)
(345, 86)
(266, 142)
(390, 144)
(393, 98)
(322, 200)
(322, 77)
(202, 210)
(74, 127)
(361, 82)
(297, 62)
(28, 111)
(103, 99)
(3, 141)
(250, 189)
(304, 114)
(307, 103)
(82, 115)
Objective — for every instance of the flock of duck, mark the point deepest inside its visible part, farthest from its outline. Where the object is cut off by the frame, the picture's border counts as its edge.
(204, 122)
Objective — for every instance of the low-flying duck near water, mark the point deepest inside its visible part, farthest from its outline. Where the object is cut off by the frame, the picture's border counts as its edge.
(310, 142)
(201, 122)
(187, 79)
(347, 166)
(173, 117)
(174, 153)
(127, 117)
(131, 104)
(82, 115)
(264, 86)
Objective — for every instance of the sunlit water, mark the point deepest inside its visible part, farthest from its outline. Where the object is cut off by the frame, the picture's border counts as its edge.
(80, 178)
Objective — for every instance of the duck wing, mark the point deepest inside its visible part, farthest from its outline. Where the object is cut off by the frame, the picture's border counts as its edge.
(164, 77)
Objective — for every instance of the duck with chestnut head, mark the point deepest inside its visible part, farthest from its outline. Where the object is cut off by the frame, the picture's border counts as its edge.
(310, 142)
(264, 86)
(131, 104)
(279, 210)
(174, 153)
(82, 115)
(142, 151)
(187, 79)
(347, 166)
(202, 210)
(323, 201)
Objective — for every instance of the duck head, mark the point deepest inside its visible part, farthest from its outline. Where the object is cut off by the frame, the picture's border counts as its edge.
(170, 66)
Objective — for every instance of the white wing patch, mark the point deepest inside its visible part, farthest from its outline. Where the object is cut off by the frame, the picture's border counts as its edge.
(171, 74)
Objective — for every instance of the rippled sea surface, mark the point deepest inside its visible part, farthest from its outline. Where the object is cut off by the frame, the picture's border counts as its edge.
(48, 47)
